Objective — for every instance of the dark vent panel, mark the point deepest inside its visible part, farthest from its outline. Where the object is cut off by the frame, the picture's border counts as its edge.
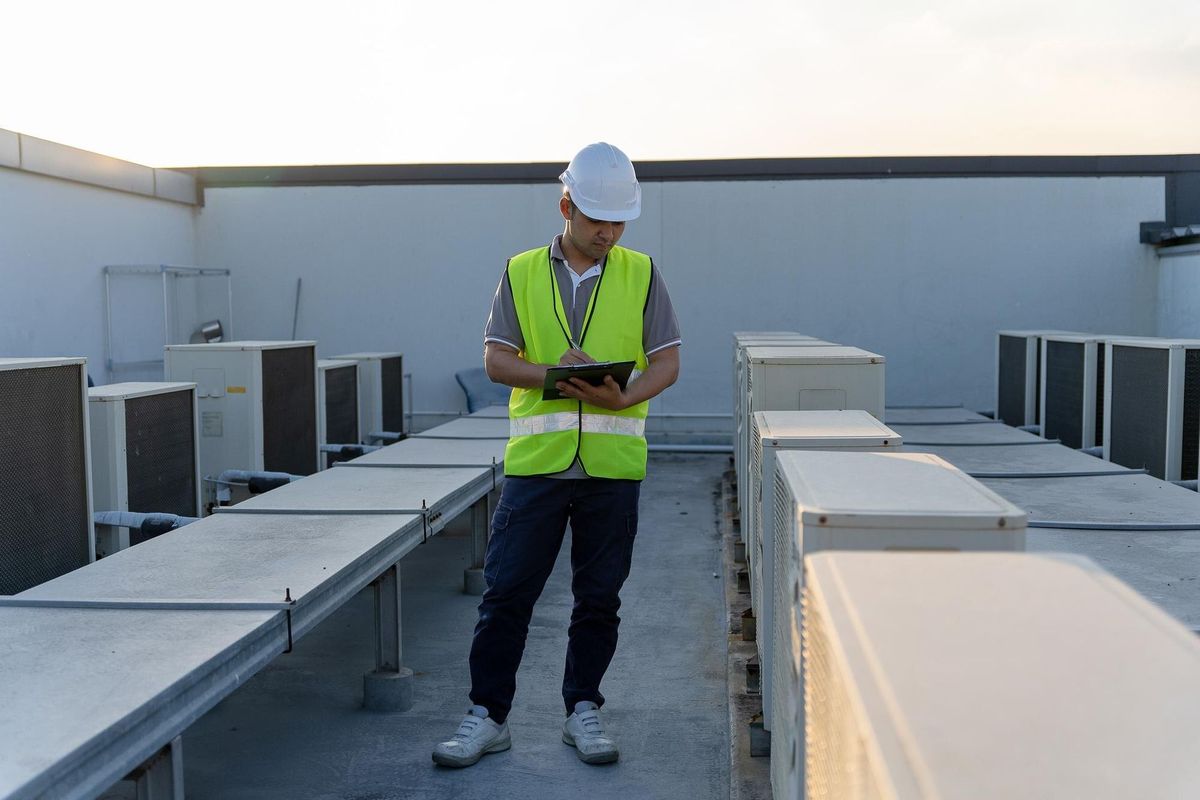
(1064, 393)
(1011, 375)
(1139, 408)
(44, 521)
(1100, 356)
(341, 405)
(391, 377)
(1191, 416)
(160, 454)
(289, 410)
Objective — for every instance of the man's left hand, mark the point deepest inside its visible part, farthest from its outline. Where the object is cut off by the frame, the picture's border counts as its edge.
(607, 395)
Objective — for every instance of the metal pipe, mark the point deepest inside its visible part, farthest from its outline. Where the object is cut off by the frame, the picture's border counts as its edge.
(947, 422)
(1114, 526)
(982, 444)
(1090, 474)
(690, 448)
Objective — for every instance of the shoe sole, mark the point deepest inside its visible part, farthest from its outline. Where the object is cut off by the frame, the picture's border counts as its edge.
(459, 762)
(593, 758)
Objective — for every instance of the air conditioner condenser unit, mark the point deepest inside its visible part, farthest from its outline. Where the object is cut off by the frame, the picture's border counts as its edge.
(1018, 375)
(45, 475)
(773, 432)
(992, 676)
(337, 390)
(1152, 399)
(257, 403)
(380, 393)
(862, 501)
(144, 454)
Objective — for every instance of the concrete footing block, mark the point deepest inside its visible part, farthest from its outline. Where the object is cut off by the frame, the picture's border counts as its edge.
(760, 738)
(473, 582)
(739, 552)
(743, 581)
(749, 626)
(753, 676)
(384, 690)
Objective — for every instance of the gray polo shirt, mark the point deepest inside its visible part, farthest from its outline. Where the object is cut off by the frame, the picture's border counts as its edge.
(660, 327)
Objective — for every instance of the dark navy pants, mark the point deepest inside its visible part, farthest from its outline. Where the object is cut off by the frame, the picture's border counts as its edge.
(527, 533)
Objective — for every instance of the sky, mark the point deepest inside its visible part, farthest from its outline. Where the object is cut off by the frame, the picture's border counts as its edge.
(262, 82)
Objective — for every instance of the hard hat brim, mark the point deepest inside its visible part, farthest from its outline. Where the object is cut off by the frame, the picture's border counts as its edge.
(607, 214)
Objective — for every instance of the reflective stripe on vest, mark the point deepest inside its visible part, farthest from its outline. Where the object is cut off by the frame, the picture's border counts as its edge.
(569, 421)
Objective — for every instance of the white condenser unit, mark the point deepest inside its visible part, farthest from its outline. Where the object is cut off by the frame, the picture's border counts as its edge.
(861, 501)
(337, 396)
(257, 403)
(45, 477)
(1018, 375)
(809, 376)
(991, 677)
(1152, 396)
(772, 432)
(380, 393)
(742, 340)
(1072, 387)
(144, 454)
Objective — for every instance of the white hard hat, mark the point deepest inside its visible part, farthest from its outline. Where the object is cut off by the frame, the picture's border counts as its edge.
(603, 184)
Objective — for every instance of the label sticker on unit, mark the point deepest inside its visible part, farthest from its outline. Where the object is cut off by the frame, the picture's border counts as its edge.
(236, 389)
(211, 423)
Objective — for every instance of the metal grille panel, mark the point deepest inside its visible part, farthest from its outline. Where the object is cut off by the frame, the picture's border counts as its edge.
(1100, 367)
(752, 532)
(160, 454)
(341, 405)
(44, 521)
(1010, 373)
(1064, 392)
(1139, 408)
(1191, 416)
(289, 410)
(391, 378)
(784, 676)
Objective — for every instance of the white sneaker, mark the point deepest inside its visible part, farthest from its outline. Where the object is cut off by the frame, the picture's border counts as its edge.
(477, 736)
(584, 731)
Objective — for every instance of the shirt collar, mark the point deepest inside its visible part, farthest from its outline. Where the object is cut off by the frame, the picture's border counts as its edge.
(556, 253)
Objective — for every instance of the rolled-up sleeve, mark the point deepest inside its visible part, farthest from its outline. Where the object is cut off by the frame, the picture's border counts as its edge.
(660, 326)
(502, 325)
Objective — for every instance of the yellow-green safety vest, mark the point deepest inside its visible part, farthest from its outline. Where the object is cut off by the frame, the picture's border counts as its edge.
(547, 435)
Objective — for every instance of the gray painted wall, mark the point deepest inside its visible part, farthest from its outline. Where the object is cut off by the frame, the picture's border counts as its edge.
(55, 235)
(921, 270)
(1179, 295)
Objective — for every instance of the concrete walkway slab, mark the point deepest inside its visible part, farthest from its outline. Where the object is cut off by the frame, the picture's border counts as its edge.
(1102, 499)
(1009, 459)
(928, 416)
(964, 434)
(296, 729)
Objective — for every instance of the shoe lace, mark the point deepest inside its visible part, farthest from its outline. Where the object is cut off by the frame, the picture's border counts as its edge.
(591, 723)
(468, 726)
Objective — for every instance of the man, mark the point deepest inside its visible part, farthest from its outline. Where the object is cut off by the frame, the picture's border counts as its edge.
(578, 460)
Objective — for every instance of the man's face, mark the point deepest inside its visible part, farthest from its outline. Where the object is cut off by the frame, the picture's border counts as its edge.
(591, 236)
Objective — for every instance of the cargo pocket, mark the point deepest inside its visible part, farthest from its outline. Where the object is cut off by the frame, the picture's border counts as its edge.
(497, 543)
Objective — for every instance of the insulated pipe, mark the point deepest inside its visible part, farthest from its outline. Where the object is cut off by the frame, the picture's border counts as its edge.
(1031, 429)
(146, 523)
(1098, 452)
(385, 436)
(1193, 485)
(258, 481)
(690, 448)
(1113, 526)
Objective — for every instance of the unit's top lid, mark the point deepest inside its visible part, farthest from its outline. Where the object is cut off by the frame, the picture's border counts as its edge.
(831, 354)
(245, 345)
(369, 356)
(764, 342)
(1091, 337)
(123, 391)
(1037, 332)
(33, 363)
(336, 363)
(982, 675)
(893, 490)
(795, 429)
(739, 336)
(1151, 341)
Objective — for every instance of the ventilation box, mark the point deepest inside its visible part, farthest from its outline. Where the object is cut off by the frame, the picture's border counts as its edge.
(861, 501)
(380, 393)
(45, 478)
(772, 432)
(1152, 396)
(812, 376)
(144, 454)
(337, 393)
(1018, 376)
(991, 677)
(257, 403)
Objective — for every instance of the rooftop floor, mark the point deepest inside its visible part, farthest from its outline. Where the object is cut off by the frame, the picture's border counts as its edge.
(297, 729)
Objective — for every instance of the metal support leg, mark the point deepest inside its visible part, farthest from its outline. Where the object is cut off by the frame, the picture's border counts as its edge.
(473, 582)
(389, 687)
(161, 778)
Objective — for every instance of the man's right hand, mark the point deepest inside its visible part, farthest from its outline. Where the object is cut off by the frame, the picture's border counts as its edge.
(575, 356)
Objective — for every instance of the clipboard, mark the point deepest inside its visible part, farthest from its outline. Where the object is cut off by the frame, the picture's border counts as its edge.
(592, 373)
